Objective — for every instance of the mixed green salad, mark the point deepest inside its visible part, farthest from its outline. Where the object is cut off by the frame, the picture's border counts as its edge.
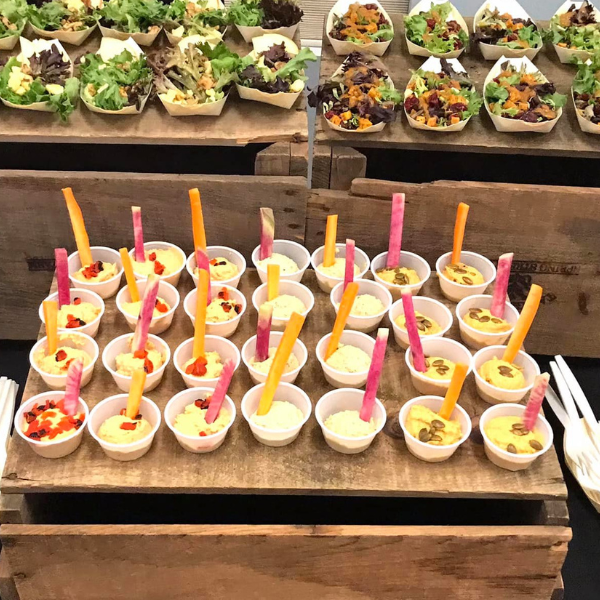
(64, 15)
(586, 90)
(576, 29)
(502, 29)
(133, 16)
(268, 14)
(362, 24)
(13, 16)
(202, 17)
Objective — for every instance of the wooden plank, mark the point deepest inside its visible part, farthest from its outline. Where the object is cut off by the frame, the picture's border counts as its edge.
(558, 593)
(274, 160)
(32, 202)
(295, 562)
(13, 509)
(347, 164)
(553, 232)
(554, 512)
(308, 466)
(299, 159)
(321, 166)
(8, 589)
(566, 139)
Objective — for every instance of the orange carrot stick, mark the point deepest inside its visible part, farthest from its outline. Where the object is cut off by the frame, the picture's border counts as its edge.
(81, 236)
(340, 321)
(138, 380)
(129, 276)
(524, 323)
(453, 392)
(197, 219)
(459, 231)
(51, 319)
(200, 325)
(273, 272)
(330, 237)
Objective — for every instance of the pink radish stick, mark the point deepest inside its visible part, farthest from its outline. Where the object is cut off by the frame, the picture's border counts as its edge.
(267, 232)
(396, 225)
(62, 276)
(263, 331)
(416, 348)
(73, 386)
(220, 392)
(349, 272)
(138, 234)
(368, 403)
(501, 287)
(534, 404)
(202, 262)
(140, 336)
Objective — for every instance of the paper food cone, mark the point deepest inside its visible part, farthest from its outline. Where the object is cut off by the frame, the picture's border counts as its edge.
(143, 39)
(585, 124)
(343, 48)
(75, 38)
(566, 55)
(505, 124)
(210, 109)
(425, 5)
(249, 33)
(493, 51)
(281, 99)
(9, 42)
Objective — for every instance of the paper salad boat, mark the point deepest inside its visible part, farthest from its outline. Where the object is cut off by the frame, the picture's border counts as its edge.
(142, 39)
(10, 41)
(249, 33)
(585, 124)
(341, 47)
(75, 38)
(505, 124)
(514, 9)
(424, 6)
(213, 40)
(566, 55)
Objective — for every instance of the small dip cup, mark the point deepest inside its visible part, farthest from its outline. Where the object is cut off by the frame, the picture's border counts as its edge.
(120, 345)
(299, 254)
(183, 353)
(104, 289)
(90, 328)
(444, 348)
(327, 283)
(285, 287)
(173, 278)
(457, 291)
(503, 458)
(200, 444)
(53, 448)
(428, 452)
(158, 324)
(409, 261)
(226, 328)
(495, 395)
(233, 256)
(58, 382)
(347, 399)
(365, 286)
(428, 307)
(285, 392)
(112, 406)
(476, 339)
(340, 379)
(248, 349)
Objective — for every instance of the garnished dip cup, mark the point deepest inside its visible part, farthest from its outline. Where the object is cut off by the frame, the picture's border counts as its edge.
(223, 262)
(327, 281)
(401, 279)
(293, 297)
(290, 250)
(71, 317)
(163, 259)
(91, 277)
(471, 281)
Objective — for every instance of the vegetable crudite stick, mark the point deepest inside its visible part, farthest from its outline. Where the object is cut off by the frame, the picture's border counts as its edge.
(134, 293)
(536, 398)
(134, 399)
(349, 270)
(454, 390)
(459, 231)
(203, 262)
(416, 348)
(218, 396)
(138, 234)
(524, 323)
(73, 387)
(197, 219)
(200, 324)
(396, 226)
(273, 274)
(267, 232)
(81, 236)
(140, 335)
(263, 331)
(348, 298)
(330, 237)
(62, 276)
(51, 320)
(501, 287)
(290, 335)
(368, 403)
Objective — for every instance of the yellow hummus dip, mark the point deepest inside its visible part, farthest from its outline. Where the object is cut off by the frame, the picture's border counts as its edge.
(337, 269)
(58, 363)
(281, 415)
(220, 311)
(503, 375)
(133, 308)
(398, 275)
(160, 262)
(428, 427)
(96, 272)
(85, 312)
(349, 359)
(438, 368)
(425, 325)
(509, 433)
(285, 305)
(220, 269)
(214, 366)
(482, 320)
(192, 421)
(463, 274)
(116, 430)
(349, 424)
(127, 363)
(263, 367)
(287, 265)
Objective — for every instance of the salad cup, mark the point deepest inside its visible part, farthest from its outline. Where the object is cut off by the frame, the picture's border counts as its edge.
(174, 277)
(141, 39)
(90, 328)
(230, 254)
(75, 38)
(326, 282)
(409, 261)
(285, 287)
(298, 253)
(10, 41)
(457, 291)
(213, 40)
(104, 289)
(567, 55)
(249, 33)
(585, 125)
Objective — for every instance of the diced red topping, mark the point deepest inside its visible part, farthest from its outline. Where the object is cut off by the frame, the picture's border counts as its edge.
(238, 308)
(77, 301)
(61, 355)
(224, 294)
(213, 261)
(197, 368)
(203, 434)
(40, 425)
(203, 404)
(226, 306)
(73, 322)
(93, 270)
(148, 366)
(152, 256)
(140, 354)
(161, 306)
(159, 268)
(128, 426)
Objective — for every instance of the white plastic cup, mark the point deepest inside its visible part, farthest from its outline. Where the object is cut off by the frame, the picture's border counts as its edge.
(299, 254)
(365, 286)
(59, 382)
(53, 448)
(183, 353)
(299, 351)
(173, 278)
(339, 379)
(476, 339)
(429, 452)
(495, 395)
(158, 324)
(285, 392)
(430, 308)
(233, 256)
(291, 288)
(409, 261)
(503, 458)
(197, 444)
(327, 283)
(444, 348)
(109, 407)
(121, 345)
(226, 328)
(457, 291)
(90, 328)
(104, 289)
(347, 399)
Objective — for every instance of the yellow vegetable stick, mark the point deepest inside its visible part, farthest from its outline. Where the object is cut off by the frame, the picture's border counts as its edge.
(273, 272)
(200, 325)
(197, 219)
(459, 231)
(340, 321)
(129, 276)
(81, 236)
(453, 392)
(330, 237)
(51, 319)
(138, 380)
(524, 323)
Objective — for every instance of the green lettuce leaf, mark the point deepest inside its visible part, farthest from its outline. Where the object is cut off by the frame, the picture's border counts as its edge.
(15, 11)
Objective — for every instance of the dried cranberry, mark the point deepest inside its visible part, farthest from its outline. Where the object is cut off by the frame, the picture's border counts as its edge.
(238, 308)
(411, 103)
(431, 23)
(457, 107)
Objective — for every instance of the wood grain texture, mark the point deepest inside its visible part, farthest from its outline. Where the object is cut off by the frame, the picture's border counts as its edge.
(8, 590)
(321, 166)
(347, 164)
(553, 232)
(479, 135)
(274, 160)
(308, 466)
(13, 509)
(273, 562)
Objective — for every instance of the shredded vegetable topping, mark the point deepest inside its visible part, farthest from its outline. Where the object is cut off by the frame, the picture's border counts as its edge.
(362, 24)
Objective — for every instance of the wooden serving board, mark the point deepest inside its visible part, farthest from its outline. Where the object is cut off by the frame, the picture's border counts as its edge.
(308, 466)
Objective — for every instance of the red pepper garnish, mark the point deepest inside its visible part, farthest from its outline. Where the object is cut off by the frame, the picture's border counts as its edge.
(159, 268)
(213, 261)
(197, 368)
(203, 404)
(128, 426)
(74, 322)
(203, 434)
(148, 366)
(93, 270)
(161, 306)
(61, 355)
(77, 301)
(226, 307)
(152, 256)
(140, 354)
(224, 294)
